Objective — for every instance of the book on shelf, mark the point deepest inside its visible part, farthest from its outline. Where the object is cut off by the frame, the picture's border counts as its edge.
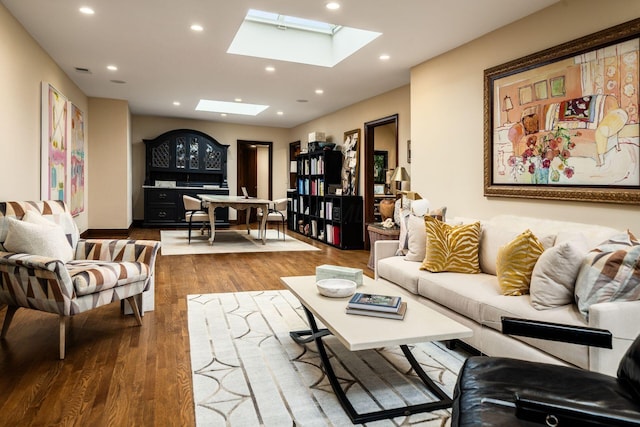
(399, 315)
(375, 302)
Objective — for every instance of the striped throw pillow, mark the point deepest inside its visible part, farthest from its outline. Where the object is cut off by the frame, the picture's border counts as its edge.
(610, 272)
(451, 248)
(516, 261)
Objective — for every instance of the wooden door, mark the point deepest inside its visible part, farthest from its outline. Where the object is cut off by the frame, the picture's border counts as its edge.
(247, 175)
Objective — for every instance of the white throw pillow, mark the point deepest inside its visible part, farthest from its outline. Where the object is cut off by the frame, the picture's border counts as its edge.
(37, 235)
(554, 275)
(417, 239)
(403, 245)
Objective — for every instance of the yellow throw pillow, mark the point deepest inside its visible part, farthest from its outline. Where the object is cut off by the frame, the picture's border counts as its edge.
(451, 248)
(515, 263)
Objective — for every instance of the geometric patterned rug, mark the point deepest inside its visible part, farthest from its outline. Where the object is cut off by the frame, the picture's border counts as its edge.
(247, 371)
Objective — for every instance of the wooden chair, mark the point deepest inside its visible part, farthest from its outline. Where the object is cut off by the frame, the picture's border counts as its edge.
(277, 214)
(195, 212)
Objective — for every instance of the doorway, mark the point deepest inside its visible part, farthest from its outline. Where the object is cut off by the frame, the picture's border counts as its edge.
(254, 166)
(391, 127)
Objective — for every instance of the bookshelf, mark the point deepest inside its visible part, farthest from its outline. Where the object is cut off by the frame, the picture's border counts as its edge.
(315, 210)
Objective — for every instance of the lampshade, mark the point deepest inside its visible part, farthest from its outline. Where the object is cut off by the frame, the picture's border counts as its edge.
(400, 174)
(507, 105)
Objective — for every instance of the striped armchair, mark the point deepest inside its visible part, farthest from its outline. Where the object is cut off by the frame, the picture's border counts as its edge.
(99, 272)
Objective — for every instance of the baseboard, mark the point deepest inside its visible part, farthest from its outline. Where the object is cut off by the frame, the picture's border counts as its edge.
(106, 233)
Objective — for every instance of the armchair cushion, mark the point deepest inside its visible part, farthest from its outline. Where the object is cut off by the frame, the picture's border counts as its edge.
(38, 236)
(89, 277)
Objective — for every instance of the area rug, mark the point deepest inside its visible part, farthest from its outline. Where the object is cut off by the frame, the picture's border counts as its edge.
(176, 242)
(247, 371)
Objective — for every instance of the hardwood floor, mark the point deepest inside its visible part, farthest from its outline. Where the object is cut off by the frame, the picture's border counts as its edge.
(118, 374)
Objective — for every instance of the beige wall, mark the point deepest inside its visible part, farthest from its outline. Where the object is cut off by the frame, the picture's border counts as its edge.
(447, 114)
(110, 173)
(23, 67)
(148, 127)
(355, 116)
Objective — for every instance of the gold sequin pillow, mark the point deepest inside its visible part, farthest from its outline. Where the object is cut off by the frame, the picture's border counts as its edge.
(515, 263)
(451, 248)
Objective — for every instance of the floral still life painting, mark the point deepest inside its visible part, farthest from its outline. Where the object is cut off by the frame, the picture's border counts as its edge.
(565, 121)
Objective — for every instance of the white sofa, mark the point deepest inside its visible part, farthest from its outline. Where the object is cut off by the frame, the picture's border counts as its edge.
(476, 301)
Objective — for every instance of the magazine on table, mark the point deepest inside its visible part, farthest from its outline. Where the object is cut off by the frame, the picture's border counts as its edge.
(399, 315)
(375, 302)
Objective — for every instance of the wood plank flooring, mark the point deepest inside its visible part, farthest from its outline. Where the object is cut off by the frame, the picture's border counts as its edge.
(119, 374)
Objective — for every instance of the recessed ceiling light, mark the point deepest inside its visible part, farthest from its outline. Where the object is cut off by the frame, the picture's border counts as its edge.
(280, 113)
(319, 91)
(230, 107)
(112, 68)
(224, 114)
(197, 27)
(238, 99)
(176, 103)
(384, 57)
(333, 5)
(270, 68)
(87, 10)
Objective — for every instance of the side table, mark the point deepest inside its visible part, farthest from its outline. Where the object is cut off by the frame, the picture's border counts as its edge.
(378, 232)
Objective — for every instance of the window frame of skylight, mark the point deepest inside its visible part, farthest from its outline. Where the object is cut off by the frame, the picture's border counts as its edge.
(286, 21)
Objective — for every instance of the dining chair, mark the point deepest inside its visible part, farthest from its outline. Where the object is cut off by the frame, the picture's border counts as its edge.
(278, 214)
(194, 212)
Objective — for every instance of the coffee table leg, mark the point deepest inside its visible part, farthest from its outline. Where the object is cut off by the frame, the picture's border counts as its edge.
(357, 418)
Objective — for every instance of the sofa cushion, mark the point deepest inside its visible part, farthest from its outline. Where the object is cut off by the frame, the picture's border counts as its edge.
(451, 248)
(610, 272)
(463, 294)
(493, 309)
(89, 277)
(554, 277)
(398, 270)
(416, 239)
(37, 235)
(515, 263)
(413, 235)
(499, 232)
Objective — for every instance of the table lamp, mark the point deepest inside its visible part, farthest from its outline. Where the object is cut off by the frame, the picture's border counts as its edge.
(399, 175)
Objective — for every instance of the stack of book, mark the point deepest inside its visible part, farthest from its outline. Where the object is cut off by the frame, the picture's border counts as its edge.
(390, 307)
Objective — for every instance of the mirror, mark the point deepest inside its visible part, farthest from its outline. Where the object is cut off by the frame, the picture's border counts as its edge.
(380, 135)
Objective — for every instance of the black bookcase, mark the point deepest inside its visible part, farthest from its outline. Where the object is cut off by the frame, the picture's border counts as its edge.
(315, 209)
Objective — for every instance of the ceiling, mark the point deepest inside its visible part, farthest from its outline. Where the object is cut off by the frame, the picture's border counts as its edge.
(161, 60)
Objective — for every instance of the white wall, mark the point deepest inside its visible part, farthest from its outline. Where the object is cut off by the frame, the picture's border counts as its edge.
(447, 114)
(23, 67)
(334, 125)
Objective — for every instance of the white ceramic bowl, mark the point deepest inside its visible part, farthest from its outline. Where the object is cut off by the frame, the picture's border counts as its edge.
(336, 288)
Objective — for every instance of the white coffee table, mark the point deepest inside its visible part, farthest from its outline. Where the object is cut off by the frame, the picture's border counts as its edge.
(420, 324)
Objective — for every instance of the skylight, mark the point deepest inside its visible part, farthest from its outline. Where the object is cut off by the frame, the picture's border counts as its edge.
(230, 107)
(283, 22)
(293, 39)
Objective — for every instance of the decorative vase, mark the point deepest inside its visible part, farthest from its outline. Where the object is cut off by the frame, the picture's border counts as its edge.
(541, 175)
(386, 208)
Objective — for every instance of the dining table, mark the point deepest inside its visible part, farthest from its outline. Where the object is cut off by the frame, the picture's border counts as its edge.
(213, 201)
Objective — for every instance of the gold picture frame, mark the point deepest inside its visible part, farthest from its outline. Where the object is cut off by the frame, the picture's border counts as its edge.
(580, 140)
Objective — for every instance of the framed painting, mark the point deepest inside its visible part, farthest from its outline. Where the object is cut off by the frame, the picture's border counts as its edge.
(380, 166)
(350, 162)
(54, 140)
(574, 134)
(76, 171)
